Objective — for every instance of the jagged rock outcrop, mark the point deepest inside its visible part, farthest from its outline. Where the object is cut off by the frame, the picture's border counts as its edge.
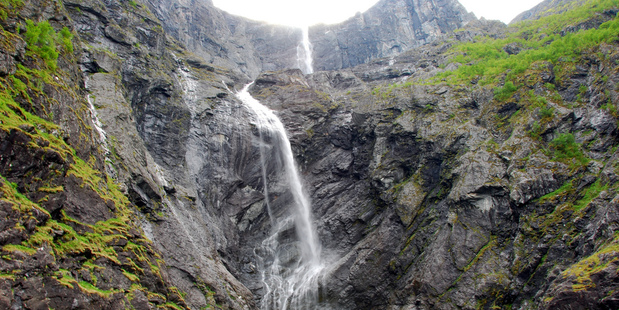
(154, 100)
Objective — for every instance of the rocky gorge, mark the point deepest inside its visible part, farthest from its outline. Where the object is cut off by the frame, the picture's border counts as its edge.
(451, 162)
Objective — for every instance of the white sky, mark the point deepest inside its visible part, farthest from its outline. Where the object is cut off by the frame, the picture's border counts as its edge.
(309, 12)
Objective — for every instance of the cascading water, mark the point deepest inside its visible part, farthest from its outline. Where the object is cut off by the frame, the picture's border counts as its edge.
(304, 53)
(291, 269)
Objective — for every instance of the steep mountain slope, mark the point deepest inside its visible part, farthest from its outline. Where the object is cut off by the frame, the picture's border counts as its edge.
(546, 8)
(70, 238)
(386, 29)
(470, 173)
(82, 195)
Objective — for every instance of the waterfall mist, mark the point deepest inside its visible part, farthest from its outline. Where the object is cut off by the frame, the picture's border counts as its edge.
(289, 259)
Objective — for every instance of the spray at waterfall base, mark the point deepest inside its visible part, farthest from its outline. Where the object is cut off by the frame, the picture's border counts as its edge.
(290, 264)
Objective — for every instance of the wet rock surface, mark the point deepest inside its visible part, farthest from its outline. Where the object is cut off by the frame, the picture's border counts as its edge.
(421, 203)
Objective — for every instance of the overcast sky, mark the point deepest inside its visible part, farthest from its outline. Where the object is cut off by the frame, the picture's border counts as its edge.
(309, 12)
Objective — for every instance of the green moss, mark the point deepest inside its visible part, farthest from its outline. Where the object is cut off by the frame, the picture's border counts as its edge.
(99, 242)
(40, 237)
(596, 262)
(480, 253)
(92, 266)
(9, 7)
(558, 192)
(51, 190)
(171, 305)
(132, 277)
(20, 248)
(106, 188)
(590, 193)
(22, 94)
(20, 202)
(64, 277)
(91, 289)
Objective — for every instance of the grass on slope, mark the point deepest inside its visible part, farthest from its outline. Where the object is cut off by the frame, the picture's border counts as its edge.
(539, 40)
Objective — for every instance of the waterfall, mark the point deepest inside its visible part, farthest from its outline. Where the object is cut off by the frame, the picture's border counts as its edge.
(290, 269)
(304, 52)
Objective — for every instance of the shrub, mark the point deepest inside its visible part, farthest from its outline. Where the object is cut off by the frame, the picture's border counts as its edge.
(546, 112)
(535, 131)
(67, 37)
(566, 149)
(42, 40)
(505, 92)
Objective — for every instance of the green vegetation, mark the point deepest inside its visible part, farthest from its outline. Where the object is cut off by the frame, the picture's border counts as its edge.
(27, 96)
(91, 289)
(42, 40)
(64, 277)
(56, 189)
(566, 150)
(543, 45)
(590, 193)
(596, 262)
(17, 247)
(98, 245)
(9, 7)
(567, 187)
(20, 202)
(131, 276)
(546, 112)
(505, 92)
(611, 108)
(540, 40)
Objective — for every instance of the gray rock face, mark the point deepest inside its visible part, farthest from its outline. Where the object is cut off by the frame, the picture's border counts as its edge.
(156, 103)
(421, 203)
(387, 29)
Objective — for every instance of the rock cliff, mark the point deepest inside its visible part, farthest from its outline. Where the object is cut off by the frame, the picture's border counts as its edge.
(70, 236)
(477, 170)
(454, 197)
(388, 28)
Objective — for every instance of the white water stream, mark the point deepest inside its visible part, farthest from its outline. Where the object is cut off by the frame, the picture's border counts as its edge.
(291, 272)
(304, 53)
